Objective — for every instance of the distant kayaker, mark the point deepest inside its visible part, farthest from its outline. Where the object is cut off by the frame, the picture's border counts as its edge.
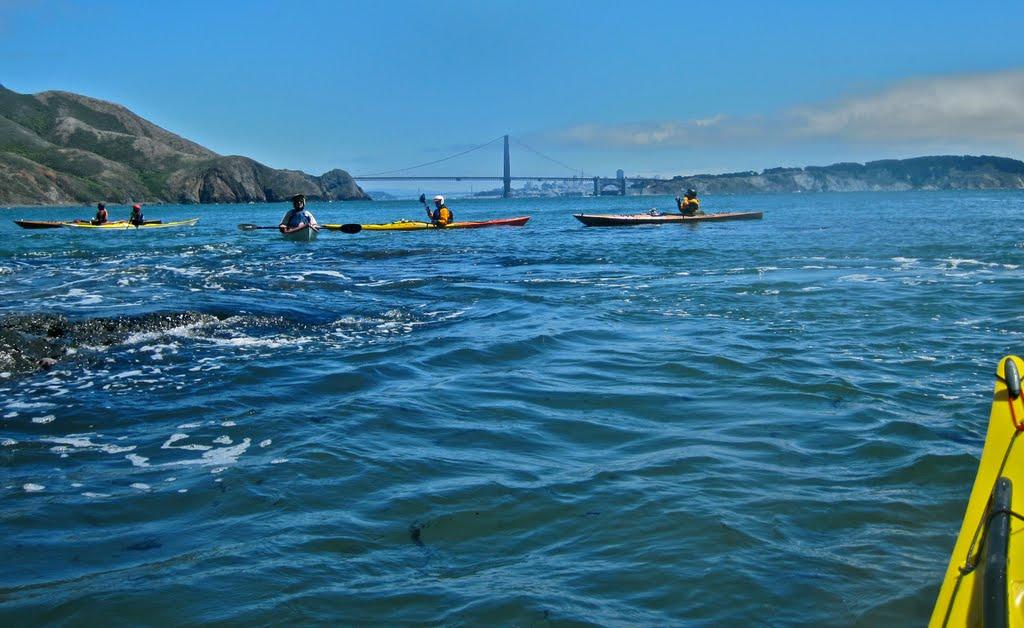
(441, 215)
(101, 214)
(297, 217)
(136, 217)
(689, 205)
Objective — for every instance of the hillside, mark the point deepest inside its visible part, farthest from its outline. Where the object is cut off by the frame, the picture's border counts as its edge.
(61, 148)
(892, 175)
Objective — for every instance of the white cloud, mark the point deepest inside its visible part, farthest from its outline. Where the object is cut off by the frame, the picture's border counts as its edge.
(975, 108)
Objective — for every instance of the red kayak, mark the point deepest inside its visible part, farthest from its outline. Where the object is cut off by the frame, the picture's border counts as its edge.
(419, 225)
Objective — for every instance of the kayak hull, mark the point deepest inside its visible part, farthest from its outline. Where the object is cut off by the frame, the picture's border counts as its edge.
(122, 226)
(306, 234)
(419, 225)
(39, 224)
(985, 576)
(625, 220)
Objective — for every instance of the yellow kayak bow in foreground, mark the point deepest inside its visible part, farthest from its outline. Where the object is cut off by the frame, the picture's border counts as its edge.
(984, 583)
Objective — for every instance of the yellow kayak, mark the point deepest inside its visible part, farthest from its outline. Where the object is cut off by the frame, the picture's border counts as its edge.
(122, 226)
(984, 583)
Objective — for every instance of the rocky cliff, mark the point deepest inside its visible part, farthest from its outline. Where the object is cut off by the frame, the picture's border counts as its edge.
(919, 173)
(61, 148)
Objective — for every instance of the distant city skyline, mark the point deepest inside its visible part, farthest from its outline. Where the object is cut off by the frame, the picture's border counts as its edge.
(658, 89)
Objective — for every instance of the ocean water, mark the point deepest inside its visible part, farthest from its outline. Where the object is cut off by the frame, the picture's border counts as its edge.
(773, 421)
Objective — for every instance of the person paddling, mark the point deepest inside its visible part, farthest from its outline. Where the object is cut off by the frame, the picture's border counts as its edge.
(689, 205)
(298, 217)
(136, 218)
(441, 215)
(101, 214)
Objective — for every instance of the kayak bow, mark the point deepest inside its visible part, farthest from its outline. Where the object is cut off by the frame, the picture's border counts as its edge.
(985, 577)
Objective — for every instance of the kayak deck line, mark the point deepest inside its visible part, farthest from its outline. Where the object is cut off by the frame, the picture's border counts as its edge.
(625, 220)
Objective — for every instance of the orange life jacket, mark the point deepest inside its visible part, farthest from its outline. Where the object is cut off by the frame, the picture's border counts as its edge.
(443, 215)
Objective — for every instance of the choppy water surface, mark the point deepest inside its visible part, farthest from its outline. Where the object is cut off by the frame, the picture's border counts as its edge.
(772, 421)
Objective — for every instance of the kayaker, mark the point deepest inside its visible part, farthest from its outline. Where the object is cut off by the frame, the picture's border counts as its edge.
(298, 217)
(101, 214)
(442, 215)
(136, 217)
(689, 205)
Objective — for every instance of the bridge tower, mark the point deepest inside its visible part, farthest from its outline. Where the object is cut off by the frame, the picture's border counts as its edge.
(506, 191)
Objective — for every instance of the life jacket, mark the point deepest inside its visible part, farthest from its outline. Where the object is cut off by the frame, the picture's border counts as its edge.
(689, 207)
(136, 218)
(443, 215)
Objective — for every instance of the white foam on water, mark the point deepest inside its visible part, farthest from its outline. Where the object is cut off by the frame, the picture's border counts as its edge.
(228, 424)
(140, 486)
(43, 420)
(811, 289)
(174, 438)
(862, 278)
(5, 375)
(948, 397)
(33, 488)
(927, 358)
(223, 440)
(279, 461)
(137, 460)
(188, 426)
(265, 443)
(326, 273)
(92, 495)
(10, 415)
(29, 405)
(126, 374)
(8, 442)
(182, 490)
(82, 442)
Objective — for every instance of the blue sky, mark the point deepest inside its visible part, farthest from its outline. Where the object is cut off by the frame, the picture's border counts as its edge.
(650, 87)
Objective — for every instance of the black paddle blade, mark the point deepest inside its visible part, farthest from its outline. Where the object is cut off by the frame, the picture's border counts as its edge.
(351, 228)
(248, 227)
(423, 198)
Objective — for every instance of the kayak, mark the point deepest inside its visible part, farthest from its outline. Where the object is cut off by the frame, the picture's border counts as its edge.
(622, 220)
(59, 223)
(39, 224)
(419, 225)
(306, 234)
(124, 225)
(985, 577)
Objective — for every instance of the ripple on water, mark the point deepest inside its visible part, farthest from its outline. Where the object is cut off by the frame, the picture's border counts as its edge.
(554, 423)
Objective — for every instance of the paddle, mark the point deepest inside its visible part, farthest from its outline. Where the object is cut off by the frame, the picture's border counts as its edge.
(423, 199)
(351, 228)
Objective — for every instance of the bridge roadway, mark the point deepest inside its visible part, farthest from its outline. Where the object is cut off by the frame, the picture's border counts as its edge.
(599, 182)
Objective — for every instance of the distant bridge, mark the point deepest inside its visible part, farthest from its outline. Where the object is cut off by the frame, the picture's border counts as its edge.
(618, 183)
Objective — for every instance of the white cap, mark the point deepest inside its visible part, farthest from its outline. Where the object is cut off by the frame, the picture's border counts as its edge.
(439, 198)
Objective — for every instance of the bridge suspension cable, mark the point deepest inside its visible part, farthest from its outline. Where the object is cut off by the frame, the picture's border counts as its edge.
(551, 159)
(436, 161)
